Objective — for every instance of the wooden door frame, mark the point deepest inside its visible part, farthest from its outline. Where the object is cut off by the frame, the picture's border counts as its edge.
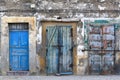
(46, 24)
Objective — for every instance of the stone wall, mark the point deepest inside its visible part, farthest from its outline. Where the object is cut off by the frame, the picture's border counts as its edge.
(62, 8)
(65, 9)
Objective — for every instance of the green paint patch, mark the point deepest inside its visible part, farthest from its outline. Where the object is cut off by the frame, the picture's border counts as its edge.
(101, 21)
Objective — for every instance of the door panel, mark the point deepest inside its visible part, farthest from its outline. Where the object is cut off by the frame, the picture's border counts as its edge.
(14, 38)
(19, 54)
(59, 49)
(24, 40)
(52, 51)
(66, 57)
(95, 63)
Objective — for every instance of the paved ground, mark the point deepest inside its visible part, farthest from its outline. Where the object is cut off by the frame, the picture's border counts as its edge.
(113, 77)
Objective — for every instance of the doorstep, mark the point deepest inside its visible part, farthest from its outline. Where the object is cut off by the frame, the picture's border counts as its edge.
(18, 73)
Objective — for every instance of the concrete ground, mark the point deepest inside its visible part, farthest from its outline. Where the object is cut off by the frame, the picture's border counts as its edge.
(110, 77)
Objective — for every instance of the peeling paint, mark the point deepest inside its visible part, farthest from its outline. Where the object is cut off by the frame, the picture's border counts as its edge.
(101, 7)
(97, 10)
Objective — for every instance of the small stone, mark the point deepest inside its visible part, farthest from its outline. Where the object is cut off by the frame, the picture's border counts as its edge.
(32, 5)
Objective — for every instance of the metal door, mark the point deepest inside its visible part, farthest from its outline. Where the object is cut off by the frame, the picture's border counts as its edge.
(59, 49)
(18, 46)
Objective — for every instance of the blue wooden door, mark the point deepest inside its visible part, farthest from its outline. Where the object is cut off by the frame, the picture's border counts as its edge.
(59, 49)
(18, 44)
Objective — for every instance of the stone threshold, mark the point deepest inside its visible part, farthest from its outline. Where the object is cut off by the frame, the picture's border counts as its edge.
(18, 73)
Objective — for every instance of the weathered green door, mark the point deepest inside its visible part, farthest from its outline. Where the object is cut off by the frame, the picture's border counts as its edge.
(59, 49)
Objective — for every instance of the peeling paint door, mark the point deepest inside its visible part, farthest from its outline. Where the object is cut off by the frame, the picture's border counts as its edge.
(59, 49)
(101, 44)
(95, 63)
(18, 46)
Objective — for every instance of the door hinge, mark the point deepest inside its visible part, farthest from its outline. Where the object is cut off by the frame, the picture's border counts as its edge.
(46, 30)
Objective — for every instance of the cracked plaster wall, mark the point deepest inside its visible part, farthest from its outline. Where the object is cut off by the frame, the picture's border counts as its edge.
(61, 8)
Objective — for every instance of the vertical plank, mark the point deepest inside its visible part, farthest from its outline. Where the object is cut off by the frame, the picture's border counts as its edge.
(66, 58)
(52, 53)
(48, 49)
(68, 46)
(62, 55)
(70, 49)
(64, 49)
(54, 50)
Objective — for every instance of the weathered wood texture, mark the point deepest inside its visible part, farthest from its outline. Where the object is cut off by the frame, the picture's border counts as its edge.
(46, 25)
(59, 49)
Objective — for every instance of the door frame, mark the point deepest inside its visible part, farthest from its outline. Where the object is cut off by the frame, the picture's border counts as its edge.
(47, 23)
(5, 42)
